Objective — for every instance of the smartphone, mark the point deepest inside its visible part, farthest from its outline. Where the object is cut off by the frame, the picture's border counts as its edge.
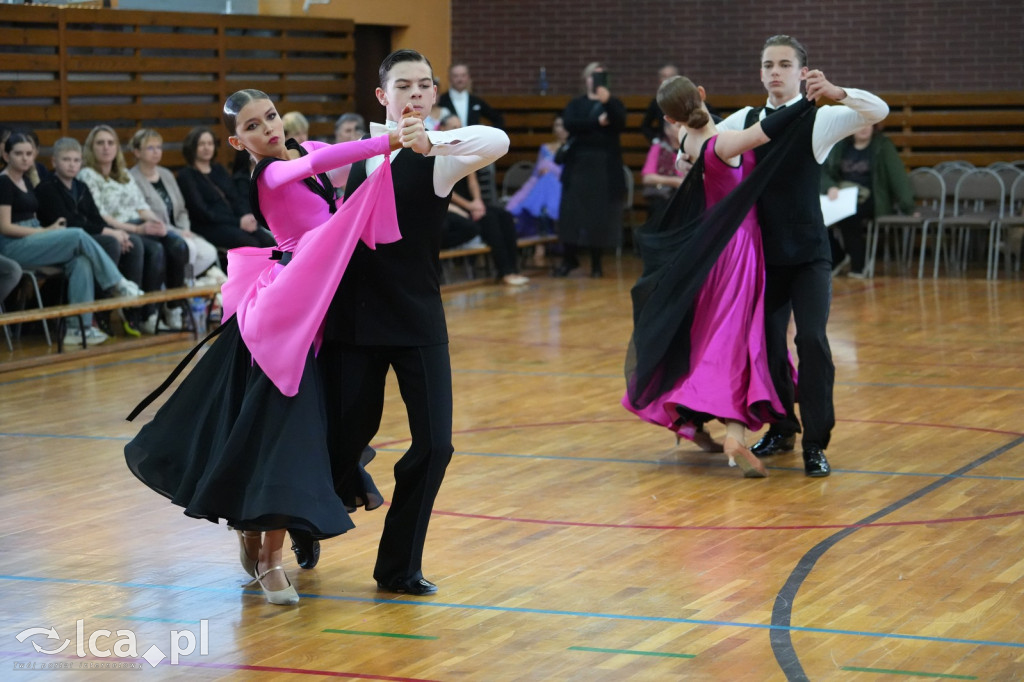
(599, 80)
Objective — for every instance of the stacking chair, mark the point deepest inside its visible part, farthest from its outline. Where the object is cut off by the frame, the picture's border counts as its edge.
(978, 204)
(515, 177)
(488, 189)
(1011, 227)
(35, 275)
(930, 197)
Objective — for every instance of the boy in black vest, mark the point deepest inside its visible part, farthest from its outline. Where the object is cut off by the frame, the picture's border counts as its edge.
(387, 312)
(797, 256)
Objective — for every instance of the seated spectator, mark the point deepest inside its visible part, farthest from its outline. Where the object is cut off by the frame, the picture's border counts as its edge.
(241, 174)
(214, 207)
(167, 203)
(497, 226)
(535, 204)
(871, 162)
(25, 241)
(349, 127)
(122, 205)
(660, 176)
(460, 232)
(10, 277)
(296, 126)
(65, 196)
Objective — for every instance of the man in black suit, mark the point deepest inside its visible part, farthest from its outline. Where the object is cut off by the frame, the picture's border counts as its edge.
(798, 259)
(469, 108)
(387, 314)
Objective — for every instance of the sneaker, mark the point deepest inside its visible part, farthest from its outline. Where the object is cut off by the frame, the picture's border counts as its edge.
(126, 288)
(93, 337)
(148, 326)
(172, 318)
(855, 275)
(515, 280)
(213, 275)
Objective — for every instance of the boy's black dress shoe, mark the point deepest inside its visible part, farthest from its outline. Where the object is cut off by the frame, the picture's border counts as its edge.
(772, 443)
(418, 588)
(306, 548)
(815, 464)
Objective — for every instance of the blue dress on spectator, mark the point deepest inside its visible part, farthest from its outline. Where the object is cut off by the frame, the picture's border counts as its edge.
(540, 195)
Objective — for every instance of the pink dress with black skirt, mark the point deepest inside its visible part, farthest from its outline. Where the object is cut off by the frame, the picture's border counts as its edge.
(244, 436)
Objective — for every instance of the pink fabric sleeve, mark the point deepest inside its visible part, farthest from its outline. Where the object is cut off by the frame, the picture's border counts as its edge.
(322, 158)
(651, 164)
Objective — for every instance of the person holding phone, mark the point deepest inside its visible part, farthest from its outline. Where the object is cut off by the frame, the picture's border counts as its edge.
(593, 182)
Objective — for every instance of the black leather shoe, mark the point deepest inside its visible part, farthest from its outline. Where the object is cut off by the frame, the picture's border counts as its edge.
(815, 464)
(417, 588)
(774, 443)
(306, 548)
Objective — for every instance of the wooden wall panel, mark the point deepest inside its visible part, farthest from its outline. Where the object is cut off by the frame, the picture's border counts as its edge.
(66, 70)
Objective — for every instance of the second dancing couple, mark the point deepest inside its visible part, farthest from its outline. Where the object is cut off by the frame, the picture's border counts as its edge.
(742, 246)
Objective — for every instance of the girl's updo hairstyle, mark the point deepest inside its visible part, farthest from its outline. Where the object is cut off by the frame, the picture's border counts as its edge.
(234, 104)
(678, 97)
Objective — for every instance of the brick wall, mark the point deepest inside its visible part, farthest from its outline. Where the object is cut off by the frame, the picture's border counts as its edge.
(880, 45)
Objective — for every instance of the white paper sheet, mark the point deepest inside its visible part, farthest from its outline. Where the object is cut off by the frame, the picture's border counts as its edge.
(844, 206)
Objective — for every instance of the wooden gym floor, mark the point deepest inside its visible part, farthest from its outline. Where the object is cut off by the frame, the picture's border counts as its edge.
(570, 541)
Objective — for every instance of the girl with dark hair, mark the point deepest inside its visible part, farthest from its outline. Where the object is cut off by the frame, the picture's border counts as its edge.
(698, 347)
(256, 452)
(217, 212)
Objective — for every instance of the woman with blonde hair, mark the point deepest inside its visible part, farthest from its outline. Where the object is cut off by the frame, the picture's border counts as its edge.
(123, 206)
(166, 201)
(296, 126)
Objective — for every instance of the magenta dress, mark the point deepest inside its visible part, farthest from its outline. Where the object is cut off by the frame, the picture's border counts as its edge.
(244, 437)
(728, 376)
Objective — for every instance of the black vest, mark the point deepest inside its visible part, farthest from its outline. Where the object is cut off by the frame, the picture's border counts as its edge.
(391, 296)
(789, 209)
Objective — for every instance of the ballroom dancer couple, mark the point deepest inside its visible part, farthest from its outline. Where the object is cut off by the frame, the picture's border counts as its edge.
(280, 410)
(721, 279)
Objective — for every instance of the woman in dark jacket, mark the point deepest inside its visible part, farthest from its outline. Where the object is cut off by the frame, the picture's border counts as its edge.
(215, 210)
(593, 180)
(869, 160)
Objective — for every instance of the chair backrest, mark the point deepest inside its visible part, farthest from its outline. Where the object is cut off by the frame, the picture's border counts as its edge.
(929, 189)
(1008, 174)
(979, 190)
(943, 166)
(951, 175)
(515, 177)
(488, 188)
(1016, 206)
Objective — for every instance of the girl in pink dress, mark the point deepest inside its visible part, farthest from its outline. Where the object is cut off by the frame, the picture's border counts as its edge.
(723, 373)
(244, 436)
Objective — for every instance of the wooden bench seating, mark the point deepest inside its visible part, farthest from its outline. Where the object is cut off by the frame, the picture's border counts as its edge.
(470, 253)
(66, 310)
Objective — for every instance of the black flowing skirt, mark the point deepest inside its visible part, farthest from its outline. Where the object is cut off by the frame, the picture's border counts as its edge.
(229, 445)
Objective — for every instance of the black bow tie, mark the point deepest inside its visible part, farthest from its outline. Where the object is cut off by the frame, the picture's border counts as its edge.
(768, 111)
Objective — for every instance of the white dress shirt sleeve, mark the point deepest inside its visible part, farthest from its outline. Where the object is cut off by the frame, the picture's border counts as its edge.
(461, 151)
(833, 123)
(735, 120)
